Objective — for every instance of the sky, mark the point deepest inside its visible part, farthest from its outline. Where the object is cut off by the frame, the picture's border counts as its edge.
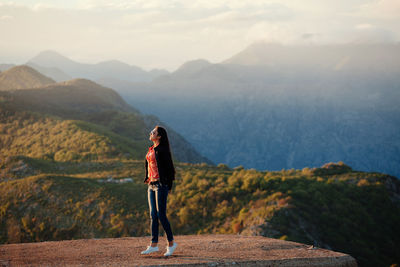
(164, 34)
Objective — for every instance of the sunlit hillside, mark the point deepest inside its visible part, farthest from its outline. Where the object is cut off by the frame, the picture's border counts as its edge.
(22, 77)
(78, 120)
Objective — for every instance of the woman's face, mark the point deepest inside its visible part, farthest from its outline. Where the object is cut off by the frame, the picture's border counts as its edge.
(154, 135)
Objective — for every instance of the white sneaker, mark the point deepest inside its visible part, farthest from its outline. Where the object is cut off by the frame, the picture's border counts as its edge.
(149, 250)
(170, 250)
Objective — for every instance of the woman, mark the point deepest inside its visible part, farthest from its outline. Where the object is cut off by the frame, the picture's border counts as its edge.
(160, 173)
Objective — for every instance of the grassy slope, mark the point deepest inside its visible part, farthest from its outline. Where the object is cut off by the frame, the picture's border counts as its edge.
(351, 212)
(56, 207)
(93, 115)
(49, 137)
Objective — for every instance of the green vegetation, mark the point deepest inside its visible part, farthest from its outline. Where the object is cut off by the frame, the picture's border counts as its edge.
(344, 210)
(46, 137)
(50, 207)
(348, 211)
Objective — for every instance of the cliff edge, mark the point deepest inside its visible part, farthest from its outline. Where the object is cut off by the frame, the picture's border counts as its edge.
(193, 250)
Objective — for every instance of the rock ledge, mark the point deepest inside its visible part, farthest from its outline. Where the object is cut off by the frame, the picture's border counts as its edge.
(193, 250)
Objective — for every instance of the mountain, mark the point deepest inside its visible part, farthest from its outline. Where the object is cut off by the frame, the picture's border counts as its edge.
(53, 118)
(78, 95)
(192, 67)
(51, 58)
(346, 57)
(273, 107)
(108, 69)
(22, 77)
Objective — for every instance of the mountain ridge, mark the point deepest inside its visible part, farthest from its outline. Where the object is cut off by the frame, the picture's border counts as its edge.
(22, 77)
(343, 57)
(110, 68)
(191, 67)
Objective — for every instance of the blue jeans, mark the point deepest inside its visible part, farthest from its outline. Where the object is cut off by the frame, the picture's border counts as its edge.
(157, 195)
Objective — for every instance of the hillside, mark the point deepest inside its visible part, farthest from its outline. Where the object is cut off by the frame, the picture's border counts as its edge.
(77, 95)
(22, 77)
(45, 137)
(78, 120)
(330, 207)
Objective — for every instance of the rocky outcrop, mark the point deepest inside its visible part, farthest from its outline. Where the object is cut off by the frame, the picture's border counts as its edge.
(193, 250)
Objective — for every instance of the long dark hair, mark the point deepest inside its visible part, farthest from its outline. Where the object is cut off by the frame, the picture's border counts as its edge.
(164, 137)
(165, 142)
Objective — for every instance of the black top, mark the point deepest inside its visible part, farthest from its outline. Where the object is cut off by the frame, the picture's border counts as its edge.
(165, 166)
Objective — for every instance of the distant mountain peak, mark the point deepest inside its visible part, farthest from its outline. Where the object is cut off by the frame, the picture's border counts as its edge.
(63, 68)
(23, 77)
(21, 68)
(50, 53)
(256, 53)
(192, 66)
(50, 58)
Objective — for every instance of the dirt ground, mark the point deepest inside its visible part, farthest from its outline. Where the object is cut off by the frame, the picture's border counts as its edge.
(193, 250)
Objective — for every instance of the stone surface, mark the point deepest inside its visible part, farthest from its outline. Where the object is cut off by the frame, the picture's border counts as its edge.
(193, 250)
